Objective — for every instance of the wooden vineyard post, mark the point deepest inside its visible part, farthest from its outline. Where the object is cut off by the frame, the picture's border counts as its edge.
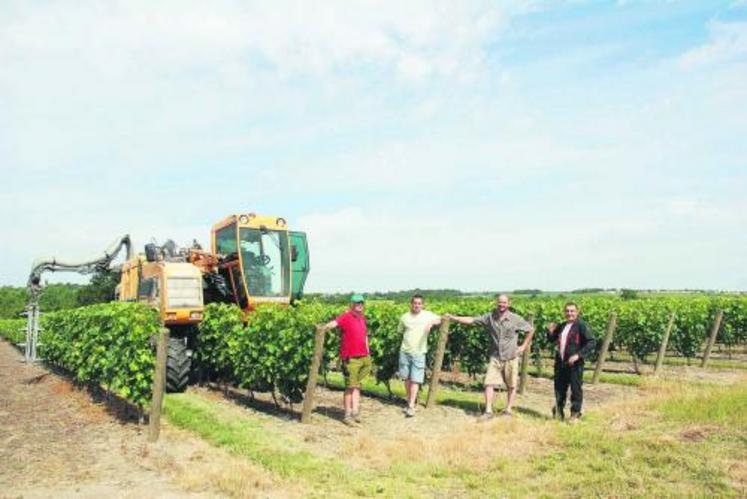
(316, 361)
(712, 338)
(159, 383)
(664, 343)
(525, 359)
(538, 359)
(443, 336)
(611, 325)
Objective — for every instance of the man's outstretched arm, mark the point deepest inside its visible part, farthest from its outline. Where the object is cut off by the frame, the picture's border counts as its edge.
(330, 325)
(460, 319)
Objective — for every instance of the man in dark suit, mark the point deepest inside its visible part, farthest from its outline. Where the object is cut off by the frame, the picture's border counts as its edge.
(574, 343)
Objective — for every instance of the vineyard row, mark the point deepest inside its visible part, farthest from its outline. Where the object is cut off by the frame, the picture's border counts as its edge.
(110, 344)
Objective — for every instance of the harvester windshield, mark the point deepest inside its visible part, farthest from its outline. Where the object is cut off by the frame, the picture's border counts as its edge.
(262, 261)
(265, 261)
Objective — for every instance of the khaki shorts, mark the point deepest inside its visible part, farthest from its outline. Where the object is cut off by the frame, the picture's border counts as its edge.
(498, 370)
(355, 370)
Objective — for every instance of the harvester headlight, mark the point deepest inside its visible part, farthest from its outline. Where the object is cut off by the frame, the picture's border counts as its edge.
(195, 316)
(243, 219)
(280, 221)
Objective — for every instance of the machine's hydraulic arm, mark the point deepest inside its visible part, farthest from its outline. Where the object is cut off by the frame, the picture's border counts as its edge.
(35, 287)
(102, 262)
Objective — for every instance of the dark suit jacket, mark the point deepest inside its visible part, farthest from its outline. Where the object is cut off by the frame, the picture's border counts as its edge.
(580, 341)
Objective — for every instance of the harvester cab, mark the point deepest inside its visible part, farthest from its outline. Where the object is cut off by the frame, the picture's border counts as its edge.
(261, 261)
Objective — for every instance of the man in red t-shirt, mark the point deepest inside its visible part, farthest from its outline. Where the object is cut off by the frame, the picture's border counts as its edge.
(356, 361)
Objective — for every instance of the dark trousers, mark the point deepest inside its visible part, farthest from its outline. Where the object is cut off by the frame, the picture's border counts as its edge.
(566, 376)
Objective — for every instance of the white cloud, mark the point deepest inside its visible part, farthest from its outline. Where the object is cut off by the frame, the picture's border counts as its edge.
(699, 212)
(375, 248)
(291, 36)
(123, 82)
(728, 42)
(379, 248)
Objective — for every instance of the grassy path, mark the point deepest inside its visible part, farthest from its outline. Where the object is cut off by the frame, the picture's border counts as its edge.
(676, 440)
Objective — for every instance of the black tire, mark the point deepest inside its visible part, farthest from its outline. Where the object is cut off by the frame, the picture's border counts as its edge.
(178, 365)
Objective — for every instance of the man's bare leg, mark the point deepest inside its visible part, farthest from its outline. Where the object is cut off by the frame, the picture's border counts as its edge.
(413, 395)
(348, 401)
(489, 399)
(510, 399)
(356, 400)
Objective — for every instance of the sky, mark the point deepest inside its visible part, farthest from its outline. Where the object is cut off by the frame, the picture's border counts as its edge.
(473, 145)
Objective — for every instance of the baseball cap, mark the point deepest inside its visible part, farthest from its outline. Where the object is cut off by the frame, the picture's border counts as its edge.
(356, 298)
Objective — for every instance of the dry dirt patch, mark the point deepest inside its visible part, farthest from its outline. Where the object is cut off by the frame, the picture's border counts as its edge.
(55, 441)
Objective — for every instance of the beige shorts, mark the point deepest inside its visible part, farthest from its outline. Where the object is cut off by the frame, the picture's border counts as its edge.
(498, 370)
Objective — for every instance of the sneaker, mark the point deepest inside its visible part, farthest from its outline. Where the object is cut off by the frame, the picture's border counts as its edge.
(410, 412)
(349, 421)
(486, 416)
(506, 414)
(357, 417)
(575, 418)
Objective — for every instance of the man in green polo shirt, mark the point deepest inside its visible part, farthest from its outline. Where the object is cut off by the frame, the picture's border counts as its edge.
(414, 327)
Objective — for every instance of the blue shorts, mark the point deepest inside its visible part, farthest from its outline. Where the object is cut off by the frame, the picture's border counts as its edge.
(412, 367)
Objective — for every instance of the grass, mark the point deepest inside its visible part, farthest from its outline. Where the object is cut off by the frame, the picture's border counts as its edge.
(466, 400)
(470, 398)
(724, 406)
(678, 440)
(649, 448)
(718, 363)
(246, 437)
(407, 470)
(712, 363)
(593, 461)
(625, 379)
(619, 357)
(604, 377)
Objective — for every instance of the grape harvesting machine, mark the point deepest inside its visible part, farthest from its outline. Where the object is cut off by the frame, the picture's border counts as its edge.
(253, 259)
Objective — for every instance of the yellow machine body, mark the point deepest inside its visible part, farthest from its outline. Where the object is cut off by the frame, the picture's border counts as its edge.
(173, 288)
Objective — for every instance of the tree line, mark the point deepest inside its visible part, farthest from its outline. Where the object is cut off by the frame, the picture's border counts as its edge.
(62, 296)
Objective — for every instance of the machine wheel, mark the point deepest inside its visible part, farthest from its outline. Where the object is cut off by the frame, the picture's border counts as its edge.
(178, 365)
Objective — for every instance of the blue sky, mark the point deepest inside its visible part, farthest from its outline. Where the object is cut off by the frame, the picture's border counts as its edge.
(470, 145)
